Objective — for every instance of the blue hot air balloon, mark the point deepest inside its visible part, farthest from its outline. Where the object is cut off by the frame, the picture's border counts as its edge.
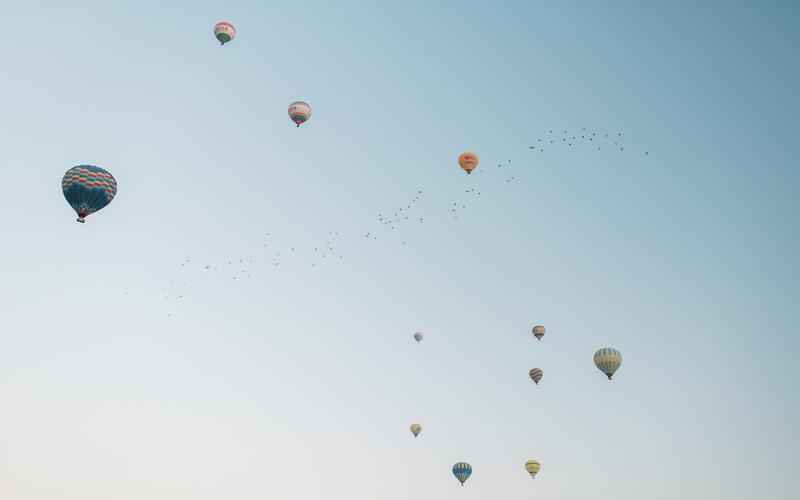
(88, 189)
(462, 471)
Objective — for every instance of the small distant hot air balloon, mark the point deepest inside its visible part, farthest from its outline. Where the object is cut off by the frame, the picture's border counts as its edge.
(538, 332)
(88, 189)
(416, 429)
(607, 360)
(536, 374)
(532, 466)
(224, 31)
(468, 161)
(462, 471)
(418, 336)
(299, 112)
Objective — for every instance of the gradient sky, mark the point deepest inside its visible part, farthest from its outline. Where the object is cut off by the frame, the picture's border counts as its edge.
(300, 382)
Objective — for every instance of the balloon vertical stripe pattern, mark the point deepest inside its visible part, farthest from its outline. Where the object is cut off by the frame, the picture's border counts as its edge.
(608, 360)
(87, 189)
(462, 471)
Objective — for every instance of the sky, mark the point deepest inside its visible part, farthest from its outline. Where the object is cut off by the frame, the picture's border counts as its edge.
(129, 371)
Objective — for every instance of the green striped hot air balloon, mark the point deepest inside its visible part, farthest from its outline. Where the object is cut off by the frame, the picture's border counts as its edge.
(607, 360)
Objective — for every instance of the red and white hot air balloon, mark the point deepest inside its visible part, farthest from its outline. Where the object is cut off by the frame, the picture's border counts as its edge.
(299, 112)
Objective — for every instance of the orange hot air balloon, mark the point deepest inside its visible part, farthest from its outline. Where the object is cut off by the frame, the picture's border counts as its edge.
(468, 161)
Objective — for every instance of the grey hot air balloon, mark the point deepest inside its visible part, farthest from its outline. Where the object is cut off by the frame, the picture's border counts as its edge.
(536, 375)
(418, 336)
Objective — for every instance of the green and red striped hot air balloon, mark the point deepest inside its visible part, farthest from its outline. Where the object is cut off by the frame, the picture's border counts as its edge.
(224, 31)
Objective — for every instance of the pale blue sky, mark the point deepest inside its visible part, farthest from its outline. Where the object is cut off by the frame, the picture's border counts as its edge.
(300, 382)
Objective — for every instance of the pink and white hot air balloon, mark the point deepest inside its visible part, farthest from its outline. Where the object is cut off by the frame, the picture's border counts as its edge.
(299, 112)
(224, 31)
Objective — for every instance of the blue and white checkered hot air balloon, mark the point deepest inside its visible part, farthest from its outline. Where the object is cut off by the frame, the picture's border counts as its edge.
(462, 471)
(88, 189)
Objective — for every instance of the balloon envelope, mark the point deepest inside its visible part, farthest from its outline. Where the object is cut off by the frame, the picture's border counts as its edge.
(532, 466)
(538, 331)
(416, 429)
(224, 32)
(607, 360)
(299, 112)
(87, 189)
(468, 161)
(462, 471)
(418, 336)
(536, 374)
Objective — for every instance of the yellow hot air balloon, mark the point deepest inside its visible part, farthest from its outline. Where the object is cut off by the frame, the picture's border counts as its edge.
(468, 161)
(416, 429)
(532, 466)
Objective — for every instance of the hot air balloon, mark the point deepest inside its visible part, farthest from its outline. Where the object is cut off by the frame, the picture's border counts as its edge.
(538, 332)
(418, 336)
(608, 360)
(224, 31)
(416, 429)
(536, 374)
(299, 112)
(468, 161)
(532, 466)
(462, 471)
(88, 189)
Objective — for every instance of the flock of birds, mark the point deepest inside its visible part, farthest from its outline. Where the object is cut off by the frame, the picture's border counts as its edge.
(89, 188)
(584, 136)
